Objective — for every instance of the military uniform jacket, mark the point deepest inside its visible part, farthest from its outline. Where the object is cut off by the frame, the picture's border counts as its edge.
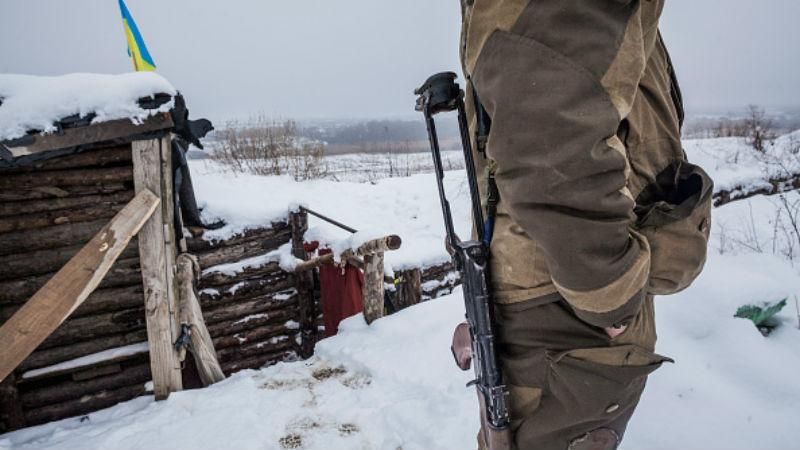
(598, 204)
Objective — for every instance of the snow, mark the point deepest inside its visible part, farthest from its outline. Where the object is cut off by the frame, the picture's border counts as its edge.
(407, 207)
(37, 102)
(89, 360)
(393, 384)
(732, 163)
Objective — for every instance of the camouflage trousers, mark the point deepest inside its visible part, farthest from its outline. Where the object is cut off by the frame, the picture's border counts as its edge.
(571, 386)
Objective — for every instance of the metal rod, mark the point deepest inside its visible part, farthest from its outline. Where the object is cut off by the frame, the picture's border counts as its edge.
(329, 220)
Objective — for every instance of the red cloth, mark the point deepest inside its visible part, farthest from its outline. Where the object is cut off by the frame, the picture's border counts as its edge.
(340, 289)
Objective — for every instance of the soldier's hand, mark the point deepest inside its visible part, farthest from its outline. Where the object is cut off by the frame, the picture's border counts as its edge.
(613, 332)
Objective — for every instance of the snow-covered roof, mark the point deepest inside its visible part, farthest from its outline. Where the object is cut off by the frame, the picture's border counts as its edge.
(38, 103)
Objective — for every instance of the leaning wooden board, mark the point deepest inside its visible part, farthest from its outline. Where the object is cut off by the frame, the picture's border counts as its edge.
(70, 286)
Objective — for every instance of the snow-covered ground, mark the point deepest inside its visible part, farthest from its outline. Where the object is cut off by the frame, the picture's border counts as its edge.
(393, 385)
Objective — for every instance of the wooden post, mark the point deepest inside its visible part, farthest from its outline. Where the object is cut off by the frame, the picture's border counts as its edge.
(191, 315)
(305, 287)
(409, 290)
(157, 266)
(68, 288)
(373, 290)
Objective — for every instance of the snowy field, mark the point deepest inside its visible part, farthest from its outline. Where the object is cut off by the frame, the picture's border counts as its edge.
(393, 385)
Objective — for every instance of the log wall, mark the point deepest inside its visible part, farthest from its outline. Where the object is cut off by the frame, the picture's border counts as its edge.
(98, 356)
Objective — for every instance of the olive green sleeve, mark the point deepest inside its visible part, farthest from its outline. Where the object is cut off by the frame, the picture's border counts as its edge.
(557, 85)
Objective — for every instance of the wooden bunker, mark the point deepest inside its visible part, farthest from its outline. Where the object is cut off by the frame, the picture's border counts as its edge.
(105, 297)
(101, 294)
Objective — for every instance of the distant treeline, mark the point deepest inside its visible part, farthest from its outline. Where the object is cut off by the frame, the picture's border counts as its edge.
(400, 136)
(742, 124)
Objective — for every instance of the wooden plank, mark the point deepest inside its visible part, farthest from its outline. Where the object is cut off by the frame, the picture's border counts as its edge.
(161, 332)
(202, 347)
(372, 290)
(105, 131)
(168, 224)
(57, 299)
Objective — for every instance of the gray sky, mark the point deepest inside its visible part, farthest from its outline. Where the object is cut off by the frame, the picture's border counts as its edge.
(362, 58)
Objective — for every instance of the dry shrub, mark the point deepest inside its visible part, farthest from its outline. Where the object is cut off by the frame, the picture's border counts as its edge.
(269, 147)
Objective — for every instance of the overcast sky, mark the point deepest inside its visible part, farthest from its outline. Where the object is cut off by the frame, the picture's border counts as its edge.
(362, 58)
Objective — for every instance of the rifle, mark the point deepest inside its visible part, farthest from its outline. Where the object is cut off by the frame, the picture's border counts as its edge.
(440, 93)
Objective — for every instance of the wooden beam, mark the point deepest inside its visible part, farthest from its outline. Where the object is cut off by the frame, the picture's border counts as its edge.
(70, 286)
(201, 345)
(105, 131)
(380, 245)
(161, 329)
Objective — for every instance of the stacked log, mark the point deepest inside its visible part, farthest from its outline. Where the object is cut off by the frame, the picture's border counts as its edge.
(47, 213)
(439, 280)
(251, 310)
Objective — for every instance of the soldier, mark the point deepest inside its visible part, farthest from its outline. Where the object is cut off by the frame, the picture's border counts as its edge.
(598, 208)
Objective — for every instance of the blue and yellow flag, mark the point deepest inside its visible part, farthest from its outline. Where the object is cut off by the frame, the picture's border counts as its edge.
(142, 61)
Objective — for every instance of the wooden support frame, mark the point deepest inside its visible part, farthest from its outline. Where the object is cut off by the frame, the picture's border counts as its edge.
(191, 316)
(372, 252)
(380, 245)
(71, 285)
(152, 171)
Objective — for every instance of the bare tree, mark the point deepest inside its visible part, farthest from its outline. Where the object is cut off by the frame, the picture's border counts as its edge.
(759, 128)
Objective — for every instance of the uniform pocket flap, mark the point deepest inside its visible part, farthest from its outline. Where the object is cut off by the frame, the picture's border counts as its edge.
(621, 355)
(677, 192)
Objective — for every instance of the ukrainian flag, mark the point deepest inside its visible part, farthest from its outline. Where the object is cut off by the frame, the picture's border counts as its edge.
(142, 61)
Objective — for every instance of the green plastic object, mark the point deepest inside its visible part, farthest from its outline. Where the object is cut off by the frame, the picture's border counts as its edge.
(760, 314)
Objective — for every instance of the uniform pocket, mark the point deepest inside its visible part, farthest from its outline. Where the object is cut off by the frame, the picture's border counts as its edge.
(599, 384)
(674, 214)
